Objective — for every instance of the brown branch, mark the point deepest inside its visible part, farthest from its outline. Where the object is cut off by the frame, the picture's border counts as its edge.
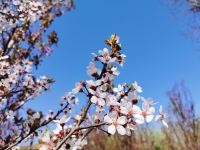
(91, 126)
(65, 139)
(74, 130)
(7, 15)
(5, 52)
(85, 111)
(77, 126)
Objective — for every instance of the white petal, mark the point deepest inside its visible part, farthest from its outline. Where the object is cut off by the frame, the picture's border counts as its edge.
(157, 118)
(122, 120)
(128, 132)
(145, 106)
(44, 147)
(151, 110)
(124, 110)
(101, 102)
(113, 115)
(112, 60)
(131, 126)
(57, 129)
(107, 119)
(115, 90)
(121, 130)
(136, 110)
(98, 82)
(113, 103)
(94, 99)
(64, 119)
(91, 91)
(102, 95)
(132, 96)
(56, 121)
(165, 123)
(67, 119)
(111, 129)
(102, 59)
(105, 50)
(139, 119)
(149, 118)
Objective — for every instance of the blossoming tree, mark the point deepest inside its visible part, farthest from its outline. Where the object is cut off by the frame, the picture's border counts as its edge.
(25, 40)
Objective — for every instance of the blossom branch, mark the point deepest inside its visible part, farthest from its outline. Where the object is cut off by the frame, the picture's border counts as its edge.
(33, 131)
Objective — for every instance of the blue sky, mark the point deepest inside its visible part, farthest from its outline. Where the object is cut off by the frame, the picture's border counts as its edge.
(158, 55)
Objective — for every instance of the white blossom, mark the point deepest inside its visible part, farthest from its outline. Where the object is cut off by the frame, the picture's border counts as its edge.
(116, 123)
(137, 87)
(115, 71)
(161, 116)
(78, 88)
(92, 69)
(147, 113)
(98, 97)
(105, 56)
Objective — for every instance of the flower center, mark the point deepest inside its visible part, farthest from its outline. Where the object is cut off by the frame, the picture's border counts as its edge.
(130, 113)
(115, 123)
(144, 113)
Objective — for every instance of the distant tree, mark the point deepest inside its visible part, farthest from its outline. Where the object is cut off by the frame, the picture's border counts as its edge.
(193, 5)
(188, 11)
(184, 123)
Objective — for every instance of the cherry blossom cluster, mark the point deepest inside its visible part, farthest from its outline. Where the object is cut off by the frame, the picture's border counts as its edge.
(24, 27)
(15, 12)
(24, 42)
(109, 108)
(17, 87)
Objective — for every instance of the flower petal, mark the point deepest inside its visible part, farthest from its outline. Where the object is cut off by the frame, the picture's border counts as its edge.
(111, 129)
(122, 120)
(151, 110)
(157, 118)
(149, 118)
(121, 130)
(107, 119)
(94, 99)
(165, 123)
(124, 110)
(102, 95)
(101, 102)
(91, 91)
(136, 110)
(128, 132)
(145, 106)
(131, 126)
(44, 147)
(139, 119)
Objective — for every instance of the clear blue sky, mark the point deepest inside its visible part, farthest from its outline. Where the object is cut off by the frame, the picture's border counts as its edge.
(158, 55)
